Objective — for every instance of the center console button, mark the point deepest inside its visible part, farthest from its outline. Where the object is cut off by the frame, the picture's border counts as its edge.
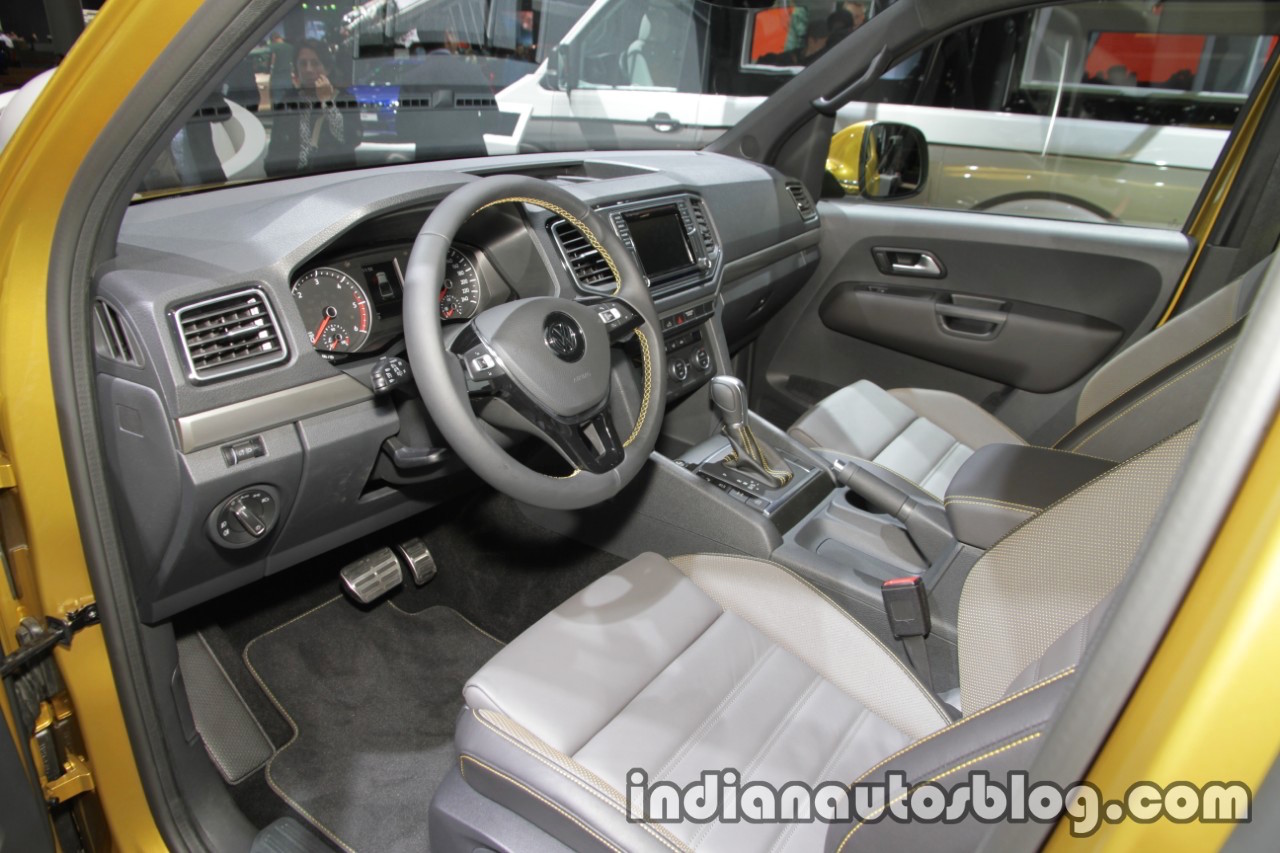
(679, 370)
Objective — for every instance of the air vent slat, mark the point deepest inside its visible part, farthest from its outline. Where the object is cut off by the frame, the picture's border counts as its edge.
(230, 334)
(112, 338)
(804, 204)
(702, 221)
(587, 266)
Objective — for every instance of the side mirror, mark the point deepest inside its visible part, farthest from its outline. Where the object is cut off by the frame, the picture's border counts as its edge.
(560, 72)
(879, 161)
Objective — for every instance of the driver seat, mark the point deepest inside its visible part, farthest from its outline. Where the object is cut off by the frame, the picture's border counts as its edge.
(706, 662)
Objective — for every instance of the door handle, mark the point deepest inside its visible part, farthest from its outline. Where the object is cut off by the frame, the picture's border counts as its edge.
(910, 262)
(969, 321)
(664, 123)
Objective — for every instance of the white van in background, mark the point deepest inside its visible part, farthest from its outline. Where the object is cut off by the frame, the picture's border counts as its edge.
(1088, 111)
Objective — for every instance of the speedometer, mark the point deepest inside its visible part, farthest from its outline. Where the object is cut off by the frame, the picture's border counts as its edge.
(460, 290)
(335, 310)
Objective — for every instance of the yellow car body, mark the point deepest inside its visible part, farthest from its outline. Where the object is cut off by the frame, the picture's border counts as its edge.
(1216, 664)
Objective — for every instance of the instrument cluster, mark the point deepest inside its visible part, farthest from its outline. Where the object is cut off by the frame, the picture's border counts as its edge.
(354, 304)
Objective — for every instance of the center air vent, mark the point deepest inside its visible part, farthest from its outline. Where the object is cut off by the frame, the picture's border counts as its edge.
(586, 264)
(804, 204)
(229, 334)
(702, 222)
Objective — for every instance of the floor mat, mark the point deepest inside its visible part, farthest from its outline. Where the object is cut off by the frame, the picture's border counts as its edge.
(372, 697)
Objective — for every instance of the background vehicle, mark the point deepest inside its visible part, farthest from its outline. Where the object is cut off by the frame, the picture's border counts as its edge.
(1017, 110)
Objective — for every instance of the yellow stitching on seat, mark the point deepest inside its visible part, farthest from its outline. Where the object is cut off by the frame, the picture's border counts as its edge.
(462, 768)
(1164, 366)
(979, 501)
(943, 775)
(660, 833)
(975, 715)
(1151, 395)
(911, 676)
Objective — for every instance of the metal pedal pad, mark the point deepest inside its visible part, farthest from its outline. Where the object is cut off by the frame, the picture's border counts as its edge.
(419, 560)
(372, 576)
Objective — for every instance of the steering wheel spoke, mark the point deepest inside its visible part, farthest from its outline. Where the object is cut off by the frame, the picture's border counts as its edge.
(590, 443)
(618, 317)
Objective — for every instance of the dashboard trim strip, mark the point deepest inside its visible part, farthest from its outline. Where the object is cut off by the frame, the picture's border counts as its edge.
(226, 423)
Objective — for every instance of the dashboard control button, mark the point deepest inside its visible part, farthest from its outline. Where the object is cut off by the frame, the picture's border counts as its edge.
(240, 451)
(702, 359)
(679, 370)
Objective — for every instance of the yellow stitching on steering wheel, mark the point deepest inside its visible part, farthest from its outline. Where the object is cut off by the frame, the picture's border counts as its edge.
(572, 220)
(617, 278)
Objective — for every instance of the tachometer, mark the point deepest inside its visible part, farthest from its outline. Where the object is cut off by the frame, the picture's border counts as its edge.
(460, 290)
(335, 309)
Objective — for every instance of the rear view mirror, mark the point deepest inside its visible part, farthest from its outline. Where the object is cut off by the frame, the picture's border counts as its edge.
(879, 161)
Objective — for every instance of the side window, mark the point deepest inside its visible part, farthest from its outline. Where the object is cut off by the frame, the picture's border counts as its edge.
(1100, 112)
(650, 44)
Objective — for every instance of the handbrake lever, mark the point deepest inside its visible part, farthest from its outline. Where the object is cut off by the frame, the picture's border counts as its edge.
(926, 523)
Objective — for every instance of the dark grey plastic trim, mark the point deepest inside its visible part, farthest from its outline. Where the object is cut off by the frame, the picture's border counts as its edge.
(225, 423)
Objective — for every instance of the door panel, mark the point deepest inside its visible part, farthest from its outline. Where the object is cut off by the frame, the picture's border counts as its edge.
(1019, 307)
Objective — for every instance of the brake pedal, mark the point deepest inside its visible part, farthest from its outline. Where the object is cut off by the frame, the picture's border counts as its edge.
(372, 576)
(418, 558)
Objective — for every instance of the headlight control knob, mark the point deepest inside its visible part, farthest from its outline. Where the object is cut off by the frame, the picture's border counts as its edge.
(245, 518)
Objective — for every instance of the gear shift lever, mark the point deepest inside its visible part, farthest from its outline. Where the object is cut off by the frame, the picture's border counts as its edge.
(729, 396)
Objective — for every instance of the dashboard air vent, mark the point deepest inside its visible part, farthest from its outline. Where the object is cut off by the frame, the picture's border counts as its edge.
(111, 337)
(702, 222)
(586, 264)
(804, 204)
(229, 334)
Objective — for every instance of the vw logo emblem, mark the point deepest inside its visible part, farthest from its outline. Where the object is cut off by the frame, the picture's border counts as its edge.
(563, 337)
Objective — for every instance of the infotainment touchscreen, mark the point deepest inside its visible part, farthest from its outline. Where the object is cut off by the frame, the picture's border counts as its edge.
(658, 235)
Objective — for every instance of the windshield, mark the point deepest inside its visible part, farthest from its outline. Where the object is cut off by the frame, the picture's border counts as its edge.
(336, 86)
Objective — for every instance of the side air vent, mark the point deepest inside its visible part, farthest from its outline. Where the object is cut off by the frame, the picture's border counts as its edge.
(229, 334)
(702, 222)
(111, 336)
(804, 204)
(586, 264)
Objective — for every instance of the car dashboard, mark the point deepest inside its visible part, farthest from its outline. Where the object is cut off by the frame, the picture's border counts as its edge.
(257, 404)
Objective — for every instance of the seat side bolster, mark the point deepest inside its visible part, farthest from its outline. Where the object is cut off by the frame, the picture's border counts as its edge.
(971, 424)
(801, 619)
(550, 790)
(1158, 349)
(996, 740)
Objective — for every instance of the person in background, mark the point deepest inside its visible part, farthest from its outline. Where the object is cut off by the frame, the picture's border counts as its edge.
(313, 134)
(858, 9)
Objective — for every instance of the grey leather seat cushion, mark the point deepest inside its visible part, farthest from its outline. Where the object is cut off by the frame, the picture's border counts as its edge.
(921, 435)
(676, 667)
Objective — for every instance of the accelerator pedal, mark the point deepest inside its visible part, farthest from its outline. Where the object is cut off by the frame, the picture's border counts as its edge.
(414, 553)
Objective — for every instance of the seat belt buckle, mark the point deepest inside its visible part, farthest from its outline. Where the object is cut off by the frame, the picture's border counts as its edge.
(906, 604)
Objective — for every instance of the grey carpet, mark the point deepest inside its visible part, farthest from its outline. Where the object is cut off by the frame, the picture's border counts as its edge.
(372, 697)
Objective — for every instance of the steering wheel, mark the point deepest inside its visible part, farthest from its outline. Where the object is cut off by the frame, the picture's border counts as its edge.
(541, 364)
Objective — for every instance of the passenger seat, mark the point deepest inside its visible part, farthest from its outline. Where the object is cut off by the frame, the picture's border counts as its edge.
(1144, 394)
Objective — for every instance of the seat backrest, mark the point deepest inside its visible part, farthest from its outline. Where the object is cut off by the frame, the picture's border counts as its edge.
(1027, 612)
(1163, 381)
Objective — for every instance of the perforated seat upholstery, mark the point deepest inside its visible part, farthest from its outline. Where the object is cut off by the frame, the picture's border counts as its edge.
(1144, 394)
(707, 662)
